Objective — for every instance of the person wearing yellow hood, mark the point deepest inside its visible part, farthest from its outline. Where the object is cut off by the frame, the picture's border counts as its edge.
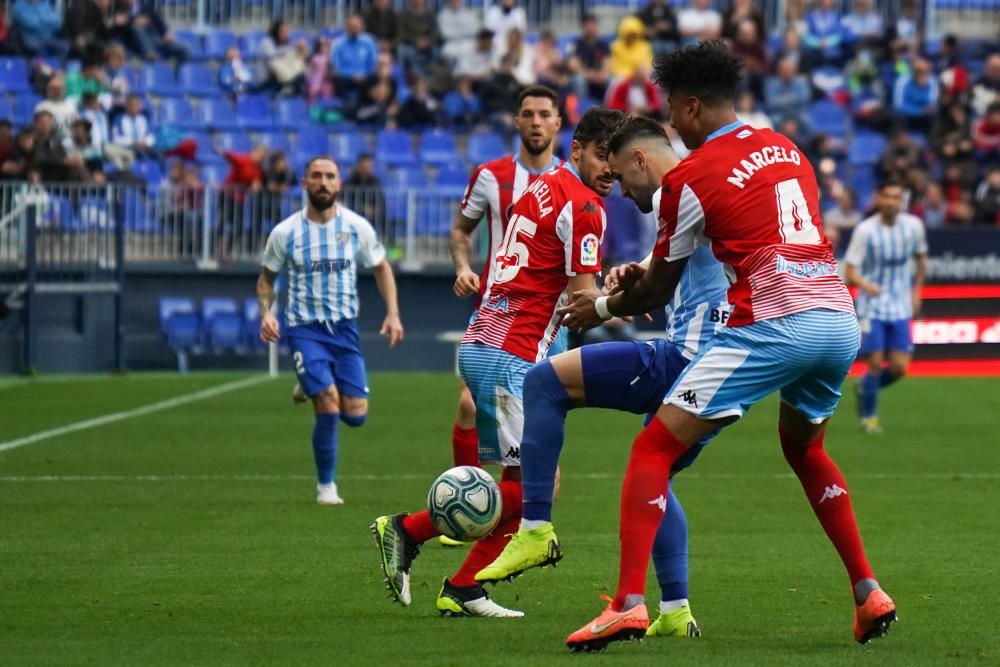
(630, 50)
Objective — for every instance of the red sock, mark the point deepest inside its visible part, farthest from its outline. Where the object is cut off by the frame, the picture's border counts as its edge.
(486, 550)
(419, 526)
(827, 493)
(465, 446)
(644, 500)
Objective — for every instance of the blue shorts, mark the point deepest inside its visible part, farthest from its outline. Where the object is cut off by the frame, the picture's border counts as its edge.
(496, 380)
(634, 377)
(883, 335)
(805, 356)
(327, 355)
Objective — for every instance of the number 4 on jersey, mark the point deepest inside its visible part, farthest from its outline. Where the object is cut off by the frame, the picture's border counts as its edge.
(794, 220)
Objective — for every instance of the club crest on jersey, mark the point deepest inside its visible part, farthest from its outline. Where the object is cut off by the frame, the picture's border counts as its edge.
(589, 246)
(342, 237)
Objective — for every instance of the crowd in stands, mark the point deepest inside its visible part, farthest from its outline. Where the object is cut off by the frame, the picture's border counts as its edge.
(864, 96)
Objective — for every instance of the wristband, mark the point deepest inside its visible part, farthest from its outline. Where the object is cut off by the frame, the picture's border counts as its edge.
(601, 306)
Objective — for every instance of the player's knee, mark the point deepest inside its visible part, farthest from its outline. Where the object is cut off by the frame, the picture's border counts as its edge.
(541, 383)
(898, 370)
(327, 401)
(353, 420)
(466, 406)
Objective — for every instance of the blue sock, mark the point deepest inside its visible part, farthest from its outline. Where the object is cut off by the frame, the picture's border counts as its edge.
(545, 407)
(869, 394)
(887, 378)
(324, 441)
(670, 552)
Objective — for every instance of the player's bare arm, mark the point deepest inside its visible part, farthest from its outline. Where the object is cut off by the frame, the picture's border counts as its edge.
(920, 270)
(460, 244)
(392, 325)
(853, 277)
(269, 329)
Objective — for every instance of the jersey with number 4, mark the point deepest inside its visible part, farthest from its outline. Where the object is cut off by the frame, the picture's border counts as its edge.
(554, 233)
(753, 196)
(492, 191)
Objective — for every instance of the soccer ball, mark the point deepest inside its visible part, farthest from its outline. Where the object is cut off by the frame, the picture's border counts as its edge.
(465, 503)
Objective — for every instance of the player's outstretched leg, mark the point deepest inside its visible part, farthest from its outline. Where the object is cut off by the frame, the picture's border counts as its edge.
(670, 560)
(464, 444)
(398, 547)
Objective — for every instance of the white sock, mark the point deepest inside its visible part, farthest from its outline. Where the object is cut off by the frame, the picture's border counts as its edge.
(667, 606)
(531, 524)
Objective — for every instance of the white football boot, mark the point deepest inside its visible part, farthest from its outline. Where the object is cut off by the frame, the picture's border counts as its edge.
(326, 494)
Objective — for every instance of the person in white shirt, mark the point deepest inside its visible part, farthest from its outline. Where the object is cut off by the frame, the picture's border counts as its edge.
(748, 112)
(132, 129)
(523, 54)
(458, 26)
(476, 59)
(700, 21)
(503, 17)
(63, 110)
(100, 133)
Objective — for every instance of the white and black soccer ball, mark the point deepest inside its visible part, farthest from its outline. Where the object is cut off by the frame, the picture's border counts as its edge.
(465, 503)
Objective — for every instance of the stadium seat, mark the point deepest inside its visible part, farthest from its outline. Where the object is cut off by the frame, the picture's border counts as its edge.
(234, 141)
(222, 323)
(312, 140)
(828, 117)
(135, 210)
(275, 141)
(180, 327)
(217, 42)
(214, 174)
(863, 182)
(291, 112)
(250, 43)
(60, 214)
(408, 177)
(253, 112)
(483, 147)
(435, 211)
(176, 112)
(24, 108)
(394, 148)
(309, 37)
(218, 114)
(14, 76)
(565, 142)
(437, 148)
(866, 148)
(251, 324)
(158, 79)
(347, 147)
(198, 80)
(192, 41)
(454, 175)
(95, 213)
(149, 170)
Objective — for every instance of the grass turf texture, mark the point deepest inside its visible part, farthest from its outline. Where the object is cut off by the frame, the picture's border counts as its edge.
(224, 558)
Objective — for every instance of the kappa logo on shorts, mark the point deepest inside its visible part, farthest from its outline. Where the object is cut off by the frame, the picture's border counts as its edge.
(689, 396)
(831, 492)
(514, 453)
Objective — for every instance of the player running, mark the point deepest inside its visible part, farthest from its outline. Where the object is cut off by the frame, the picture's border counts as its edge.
(551, 247)
(753, 195)
(492, 190)
(319, 247)
(626, 376)
(880, 262)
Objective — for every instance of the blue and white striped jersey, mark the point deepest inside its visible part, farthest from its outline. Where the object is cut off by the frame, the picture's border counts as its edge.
(884, 255)
(321, 263)
(699, 308)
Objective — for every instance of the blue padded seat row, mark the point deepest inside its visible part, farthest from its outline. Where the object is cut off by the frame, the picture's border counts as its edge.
(438, 148)
(223, 324)
(395, 148)
(14, 76)
(484, 146)
(199, 80)
(179, 323)
(828, 117)
(866, 148)
(217, 42)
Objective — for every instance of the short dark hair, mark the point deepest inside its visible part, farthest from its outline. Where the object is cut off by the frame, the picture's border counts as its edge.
(314, 158)
(597, 124)
(635, 127)
(708, 71)
(538, 91)
(891, 182)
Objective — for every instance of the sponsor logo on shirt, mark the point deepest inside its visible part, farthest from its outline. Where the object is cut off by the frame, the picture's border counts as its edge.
(589, 246)
(498, 304)
(804, 269)
(331, 265)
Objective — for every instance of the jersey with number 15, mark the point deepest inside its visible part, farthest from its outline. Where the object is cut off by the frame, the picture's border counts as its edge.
(753, 196)
(554, 233)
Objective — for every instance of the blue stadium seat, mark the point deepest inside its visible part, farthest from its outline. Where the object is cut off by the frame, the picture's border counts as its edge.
(60, 214)
(828, 117)
(251, 324)
(863, 183)
(437, 148)
(435, 210)
(192, 41)
(176, 112)
(95, 213)
(198, 80)
(180, 326)
(310, 38)
(253, 112)
(234, 141)
(454, 175)
(250, 43)
(137, 213)
(214, 174)
(866, 148)
(484, 146)
(313, 140)
(394, 148)
(347, 147)
(218, 114)
(158, 79)
(565, 142)
(223, 325)
(149, 170)
(14, 76)
(6, 109)
(291, 112)
(408, 177)
(217, 42)
(24, 108)
(275, 141)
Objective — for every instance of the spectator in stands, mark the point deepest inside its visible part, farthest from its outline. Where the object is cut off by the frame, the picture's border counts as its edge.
(915, 97)
(88, 27)
(907, 26)
(50, 159)
(90, 78)
(738, 12)
(458, 26)
(787, 94)
(987, 135)
(319, 81)
(180, 204)
(867, 92)
(522, 54)
(5, 42)
(80, 143)
(791, 128)
(278, 181)
(355, 57)
(6, 139)
(635, 95)
(285, 60)
(418, 37)
(795, 16)
(379, 106)
(235, 76)
(824, 36)
(461, 105)
(382, 23)
(62, 109)
(901, 154)
(546, 59)
(792, 49)
(988, 198)
(17, 165)
(952, 124)
(862, 23)
(748, 112)
(842, 216)
(661, 26)
(503, 16)
(700, 21)
(36, 24)
(589, 64)
(100, 134)
(364, 192)
(986, 91)
(498, 95)
(150, 34)
(132, 129)
(631, 50)
(933, 208)
(115, 72)
(476, 63)
(420, 110)
(750, 47)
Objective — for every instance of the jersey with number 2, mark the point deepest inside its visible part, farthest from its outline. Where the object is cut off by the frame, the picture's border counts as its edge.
(554, 233)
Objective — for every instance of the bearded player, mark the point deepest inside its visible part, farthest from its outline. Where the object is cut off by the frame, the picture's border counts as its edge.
(551, 247)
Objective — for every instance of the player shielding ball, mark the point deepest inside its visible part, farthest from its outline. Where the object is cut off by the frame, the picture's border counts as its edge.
(551, 247)
(753, 195)
(320, 247)
(886, 260)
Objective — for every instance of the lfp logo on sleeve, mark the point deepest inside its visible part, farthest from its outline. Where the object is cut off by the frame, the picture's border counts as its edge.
(588, 250)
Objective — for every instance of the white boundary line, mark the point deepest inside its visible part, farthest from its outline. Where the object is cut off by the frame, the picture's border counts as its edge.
(957, 476)
(113, 417)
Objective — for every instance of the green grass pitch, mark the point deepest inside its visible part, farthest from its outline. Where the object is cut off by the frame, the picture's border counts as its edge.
(190, 536)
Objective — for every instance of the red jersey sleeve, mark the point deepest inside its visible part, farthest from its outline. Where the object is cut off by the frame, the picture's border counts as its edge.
(581, 228)
(681, 217)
